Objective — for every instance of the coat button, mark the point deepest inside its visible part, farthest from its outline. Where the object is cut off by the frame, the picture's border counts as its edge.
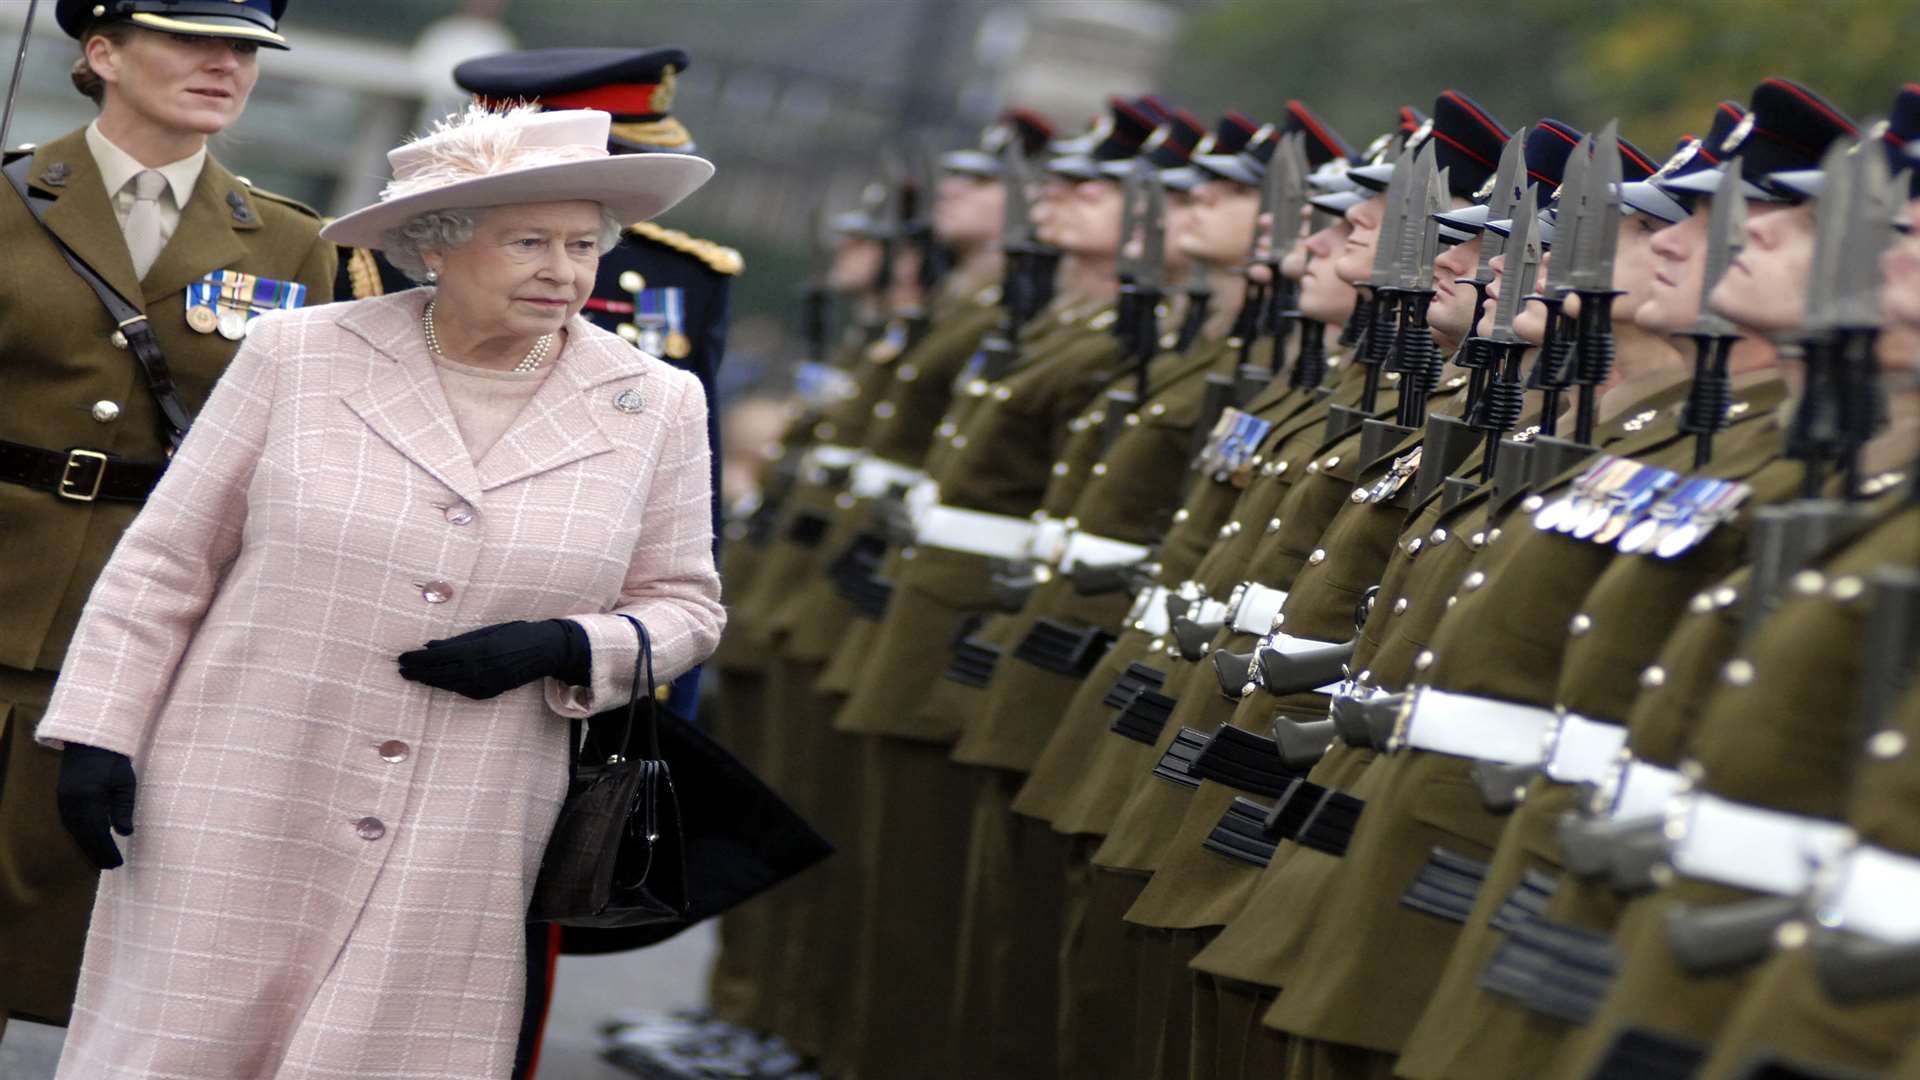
(459, 514)
(436, 592)
(394, 751)
(1580, 624)
(106, 412)
(370, 828)
(1318, 556)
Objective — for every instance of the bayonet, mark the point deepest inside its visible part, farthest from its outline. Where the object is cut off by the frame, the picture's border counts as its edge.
(1856, 315)
(1506, 396)
(1419, 360)
(1551, 370)
(1384, 308)
(1711, 394)
(1595, 239)
(1517, 275)
(1503, 195)
(1026, 263)
(1150, 275)
(1286, 191)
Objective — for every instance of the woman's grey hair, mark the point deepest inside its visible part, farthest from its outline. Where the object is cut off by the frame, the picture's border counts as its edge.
(444, 230)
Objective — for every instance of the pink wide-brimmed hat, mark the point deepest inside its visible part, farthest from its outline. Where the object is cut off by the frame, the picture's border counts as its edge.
(482, 158)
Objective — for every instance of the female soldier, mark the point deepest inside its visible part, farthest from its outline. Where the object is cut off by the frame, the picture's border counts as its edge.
(137, 198)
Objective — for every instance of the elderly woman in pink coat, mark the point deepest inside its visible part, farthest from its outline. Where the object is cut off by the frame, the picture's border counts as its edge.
(340, 647)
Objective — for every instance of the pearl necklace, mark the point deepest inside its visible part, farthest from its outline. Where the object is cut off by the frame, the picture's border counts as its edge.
(530, 362)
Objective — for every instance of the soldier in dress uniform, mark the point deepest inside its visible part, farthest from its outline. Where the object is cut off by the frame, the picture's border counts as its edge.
(96, 397)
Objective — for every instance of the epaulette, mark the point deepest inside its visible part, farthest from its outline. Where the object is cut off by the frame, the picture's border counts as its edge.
(275, 197)
(363, 274)
(721, 258)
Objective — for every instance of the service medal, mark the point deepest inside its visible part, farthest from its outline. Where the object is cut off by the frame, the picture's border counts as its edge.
(1678, 541)
(202, 319)
(678, 347)
(232, 324)
(1615, 525)
(1592, 521)
(1550, 515)
(1639, 536)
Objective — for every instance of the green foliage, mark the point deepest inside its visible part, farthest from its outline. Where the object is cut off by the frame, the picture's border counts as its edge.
(1659, 65)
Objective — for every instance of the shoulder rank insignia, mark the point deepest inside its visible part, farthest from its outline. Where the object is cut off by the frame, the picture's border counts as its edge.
(718, 257)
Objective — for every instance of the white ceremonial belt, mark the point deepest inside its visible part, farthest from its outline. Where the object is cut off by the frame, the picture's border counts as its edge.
(1207, 610)
(923, 496)
(1253, 613)
(874, 477)
(1874, 892)
(1086, 549)
(996, 536)
(1583, 750)
(816, 462)
(1766, 851)
(1049, 539)
(1476, 727)
(1643, 790)
(1143, 616)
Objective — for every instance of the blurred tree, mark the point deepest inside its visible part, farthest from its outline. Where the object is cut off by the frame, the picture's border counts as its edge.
(1659, 65)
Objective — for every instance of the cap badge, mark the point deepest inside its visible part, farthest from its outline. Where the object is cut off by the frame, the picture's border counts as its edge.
(1421, 133)
(629, 401)
(1738, 135)
(1160, 135)
(1486, 189)
(1679, 160)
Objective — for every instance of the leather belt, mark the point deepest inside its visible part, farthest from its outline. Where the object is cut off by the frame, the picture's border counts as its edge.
(1476, 727)
(1751, 847)
(996, 536)
(1871, 892)
(1254, 607)
(874, 477)
(79, 475)
(1582, 750)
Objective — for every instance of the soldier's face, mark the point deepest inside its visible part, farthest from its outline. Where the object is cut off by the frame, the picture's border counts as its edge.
(1453, 313)
(969, 210)
(527, 270)
(1679, 262)
(1221, 223)
(177, 82)
(1089, 221)
(1324, 294)
(1900, 294)
(1354, 264)
(856, 262)
(1048, 204)
(1176, 228)
(1633, 264)
(1765, 289)
(1294, 266)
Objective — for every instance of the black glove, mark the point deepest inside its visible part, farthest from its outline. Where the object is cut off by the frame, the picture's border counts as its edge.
(95, 793)
(492, 660)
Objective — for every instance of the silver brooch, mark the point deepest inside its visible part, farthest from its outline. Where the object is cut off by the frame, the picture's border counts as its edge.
(628, 400)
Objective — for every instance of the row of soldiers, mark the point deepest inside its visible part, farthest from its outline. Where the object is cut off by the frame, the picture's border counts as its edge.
(1446, 609)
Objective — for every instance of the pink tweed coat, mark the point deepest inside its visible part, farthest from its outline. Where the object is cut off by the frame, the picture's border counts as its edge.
(331, 865)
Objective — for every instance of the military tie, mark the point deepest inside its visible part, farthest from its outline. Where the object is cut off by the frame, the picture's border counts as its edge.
(144, 240)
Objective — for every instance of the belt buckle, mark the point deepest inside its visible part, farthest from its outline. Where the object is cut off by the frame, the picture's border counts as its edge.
(74, 457)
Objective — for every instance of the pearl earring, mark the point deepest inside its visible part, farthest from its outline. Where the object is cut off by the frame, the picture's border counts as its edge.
(433, 276)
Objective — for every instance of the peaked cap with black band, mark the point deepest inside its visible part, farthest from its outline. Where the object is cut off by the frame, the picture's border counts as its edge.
(1693, 154)
(1466, 140)
(1324, 146)
(1121, 132)
(1336, 187)
(635, 86)
(257, 21)
(1549, 143)
(1787, 127)
(1235, 134)
(1635, 167)
(1028, 128)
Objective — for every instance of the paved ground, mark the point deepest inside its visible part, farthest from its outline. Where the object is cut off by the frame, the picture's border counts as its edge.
(588, 989)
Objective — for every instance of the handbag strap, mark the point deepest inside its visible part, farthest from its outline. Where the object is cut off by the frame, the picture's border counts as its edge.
(643, 675)
(132, 322)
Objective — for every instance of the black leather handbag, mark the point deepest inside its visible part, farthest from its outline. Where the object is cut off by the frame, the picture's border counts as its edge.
(616, 857)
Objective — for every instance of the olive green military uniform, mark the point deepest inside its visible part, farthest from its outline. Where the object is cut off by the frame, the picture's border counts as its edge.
(913, 813)
(1369, 999)
(1787, 1016)
(1780, 731)
(1604, 666)
(1006, 973)
(67, 385)
(822, 912)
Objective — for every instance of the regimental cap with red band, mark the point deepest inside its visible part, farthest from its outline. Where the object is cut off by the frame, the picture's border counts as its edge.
(1893, 134)
(1787, 127)
(1169, 149)
(635, 86)
(1549, 143)
(1335, 185)
(1234, 135)
(1466, 143)
(1692, 154)
(257, 21)
(1117, 136)
(1028, 128)
(1324, 146)
(1548, 170)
